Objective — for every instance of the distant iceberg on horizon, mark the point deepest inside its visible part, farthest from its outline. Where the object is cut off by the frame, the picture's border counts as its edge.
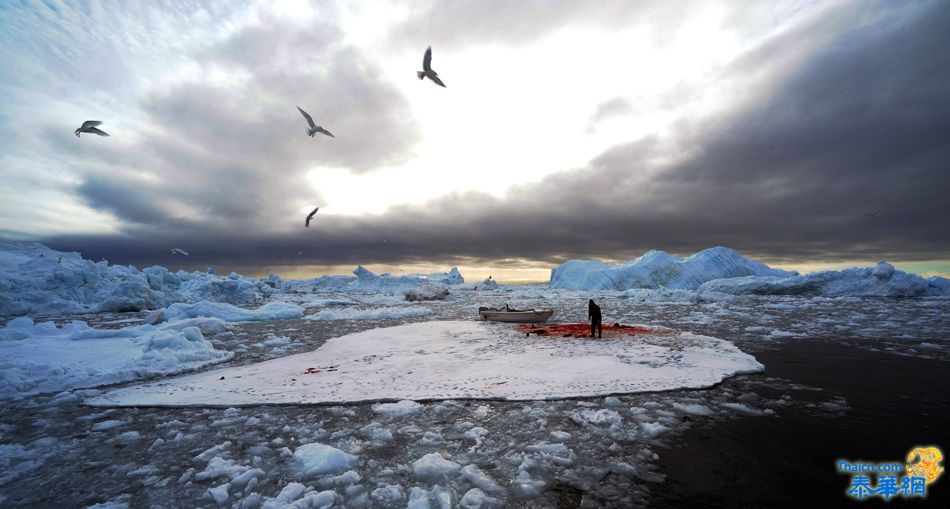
(724, 270)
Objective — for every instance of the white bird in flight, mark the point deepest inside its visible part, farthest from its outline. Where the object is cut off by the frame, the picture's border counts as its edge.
(175, 250)
(314, 128)
(89, 126)
(873, 214)
(427, 71)
(309, 217)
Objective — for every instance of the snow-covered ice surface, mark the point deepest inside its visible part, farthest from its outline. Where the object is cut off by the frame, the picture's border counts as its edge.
(596, 450)
(452, 360)
(42, 358)
(590, 451)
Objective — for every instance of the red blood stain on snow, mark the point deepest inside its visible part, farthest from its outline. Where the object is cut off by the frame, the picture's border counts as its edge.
(580, 329)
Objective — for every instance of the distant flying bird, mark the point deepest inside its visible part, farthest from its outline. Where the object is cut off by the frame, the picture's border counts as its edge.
(427, 71)
(314, 128)
(89, 126)
(175, 250)
(873, 214)
(309, 217)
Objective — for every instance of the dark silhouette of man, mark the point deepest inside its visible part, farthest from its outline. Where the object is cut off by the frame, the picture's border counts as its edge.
(593, 313)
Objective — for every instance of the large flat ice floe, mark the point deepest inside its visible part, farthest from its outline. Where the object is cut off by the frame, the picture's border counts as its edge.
(450, 360)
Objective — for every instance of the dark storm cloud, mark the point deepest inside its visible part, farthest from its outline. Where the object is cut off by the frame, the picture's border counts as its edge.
(843, 116)
(124, 199)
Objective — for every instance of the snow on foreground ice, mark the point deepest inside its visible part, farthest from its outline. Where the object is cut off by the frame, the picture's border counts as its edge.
(454, 359)
(42, 358)
(724, 271)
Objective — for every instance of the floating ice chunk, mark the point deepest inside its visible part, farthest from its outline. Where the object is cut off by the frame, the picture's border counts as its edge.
(220, 467)
(602, 418)
(291, 492)
(653, 429)
(524, 486)
(390, 495)
(219, 493)
(128, 437)
(433, 466)
(229, 313)
(476, 433)
(694, 409)
(418, 499)
(315, 459)
(398, 409)
(478, 478)
(477, 499)
(427, 292)
(739, 407)
(241, 480)
(382, 313)
(438, 497)
(211, 452)
(105, 425)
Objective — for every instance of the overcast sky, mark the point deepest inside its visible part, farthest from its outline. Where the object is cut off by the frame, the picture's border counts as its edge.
(568, 129)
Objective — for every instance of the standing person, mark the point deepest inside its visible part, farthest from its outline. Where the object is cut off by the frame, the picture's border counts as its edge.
(593, 313)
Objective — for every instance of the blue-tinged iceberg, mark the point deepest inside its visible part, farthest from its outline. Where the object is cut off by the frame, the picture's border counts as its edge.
(658, 269)
(720, 270)
(880, 281)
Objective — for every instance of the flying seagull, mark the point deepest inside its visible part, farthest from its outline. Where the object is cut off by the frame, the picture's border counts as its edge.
(427, 71)
(175, 250)
(873, 214)
(309, 217)
(89, 126)
(314, 128)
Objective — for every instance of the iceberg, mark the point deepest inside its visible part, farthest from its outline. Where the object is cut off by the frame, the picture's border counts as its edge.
(883, 280)
(658, 269)
(35, 279)
(365, 280)
(719, 272)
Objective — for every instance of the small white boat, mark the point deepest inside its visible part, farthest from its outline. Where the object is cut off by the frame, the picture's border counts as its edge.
(506, 314)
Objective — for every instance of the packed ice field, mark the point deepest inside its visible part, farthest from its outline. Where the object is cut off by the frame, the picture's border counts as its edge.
(129, 388)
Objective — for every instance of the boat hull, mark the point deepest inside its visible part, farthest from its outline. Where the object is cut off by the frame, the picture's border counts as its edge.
(527, 316)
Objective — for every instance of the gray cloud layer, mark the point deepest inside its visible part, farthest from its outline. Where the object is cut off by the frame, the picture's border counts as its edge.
(858, 122)
(231, 155)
